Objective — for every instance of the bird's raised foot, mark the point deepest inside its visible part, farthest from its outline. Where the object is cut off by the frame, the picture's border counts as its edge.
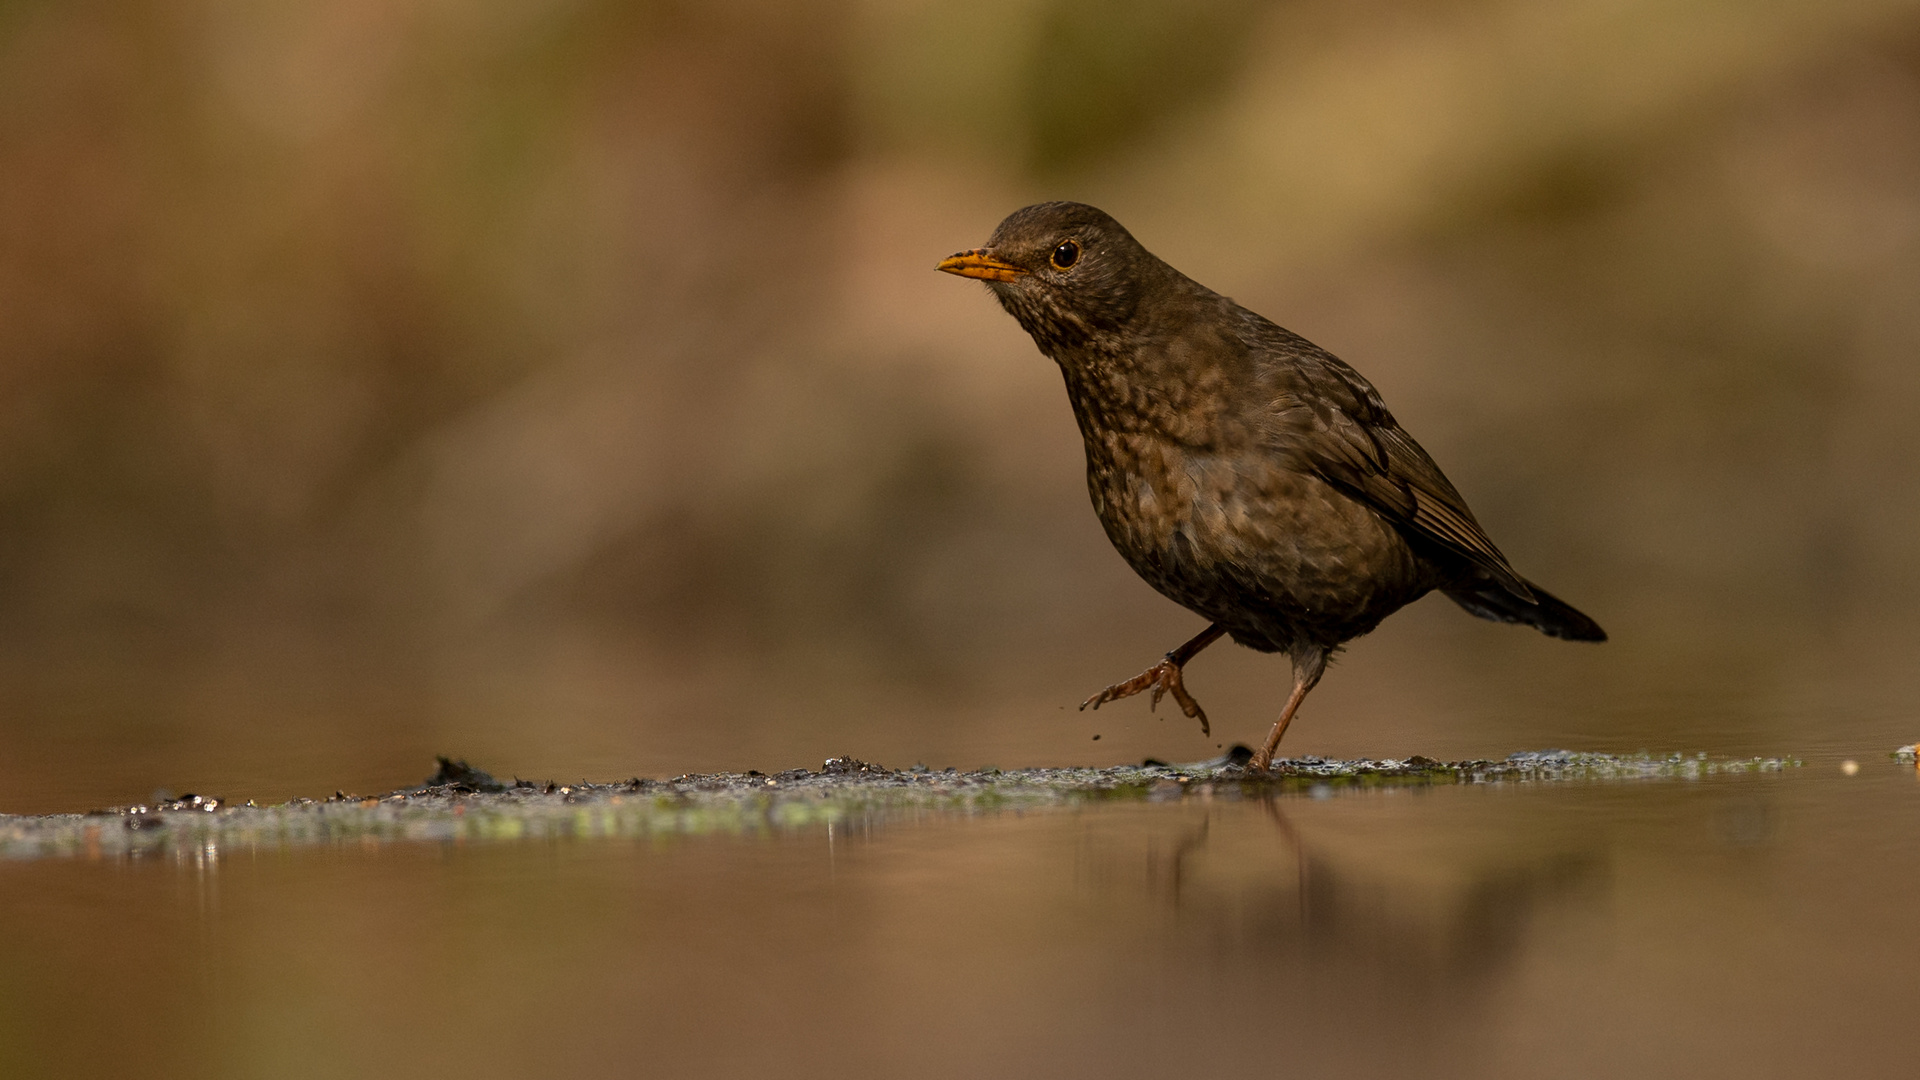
(1162, 678)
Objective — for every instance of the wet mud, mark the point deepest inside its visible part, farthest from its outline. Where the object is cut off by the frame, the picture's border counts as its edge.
(461, 803)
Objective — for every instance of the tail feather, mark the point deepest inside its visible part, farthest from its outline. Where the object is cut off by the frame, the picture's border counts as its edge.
(1546, 613)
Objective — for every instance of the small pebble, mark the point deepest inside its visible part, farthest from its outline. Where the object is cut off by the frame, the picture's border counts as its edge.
(1096, 738)
(1849, 767)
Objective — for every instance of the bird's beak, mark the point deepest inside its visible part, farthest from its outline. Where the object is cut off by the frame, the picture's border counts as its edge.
(979, 263)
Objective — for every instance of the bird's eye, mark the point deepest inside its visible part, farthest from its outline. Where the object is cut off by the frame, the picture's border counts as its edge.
(1066, 255)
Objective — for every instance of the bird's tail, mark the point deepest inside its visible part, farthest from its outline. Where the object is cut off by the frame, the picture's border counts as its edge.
(1546, 613)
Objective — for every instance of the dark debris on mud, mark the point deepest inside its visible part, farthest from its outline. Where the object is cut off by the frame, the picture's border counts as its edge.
(462, 803)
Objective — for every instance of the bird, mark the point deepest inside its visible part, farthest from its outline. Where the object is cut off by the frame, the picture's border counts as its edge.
(1242, 471)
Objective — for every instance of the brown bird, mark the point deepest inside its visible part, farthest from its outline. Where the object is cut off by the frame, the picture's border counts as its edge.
(1246, 473)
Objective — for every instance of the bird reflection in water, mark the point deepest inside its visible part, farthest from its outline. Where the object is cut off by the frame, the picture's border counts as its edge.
(1267, 878)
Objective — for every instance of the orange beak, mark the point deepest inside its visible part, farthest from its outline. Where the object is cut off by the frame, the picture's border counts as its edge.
(979, 264)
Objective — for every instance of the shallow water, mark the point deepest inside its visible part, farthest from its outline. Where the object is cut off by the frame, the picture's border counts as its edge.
(1747, 925)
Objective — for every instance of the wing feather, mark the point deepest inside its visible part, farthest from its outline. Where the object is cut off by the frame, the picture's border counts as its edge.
(1333, 422)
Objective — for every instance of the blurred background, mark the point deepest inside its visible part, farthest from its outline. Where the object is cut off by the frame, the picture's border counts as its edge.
(566, 385)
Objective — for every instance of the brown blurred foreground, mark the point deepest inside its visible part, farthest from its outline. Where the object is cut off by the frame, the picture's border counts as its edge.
(569, 382)
(1748, 925)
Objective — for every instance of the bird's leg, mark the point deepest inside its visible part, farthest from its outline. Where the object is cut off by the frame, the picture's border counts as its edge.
(1308, 665)
(1164, 678)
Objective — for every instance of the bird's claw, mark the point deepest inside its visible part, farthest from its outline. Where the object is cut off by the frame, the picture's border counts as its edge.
(1162, 678)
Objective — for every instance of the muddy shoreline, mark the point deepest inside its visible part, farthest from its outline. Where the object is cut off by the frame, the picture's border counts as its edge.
(460, 803)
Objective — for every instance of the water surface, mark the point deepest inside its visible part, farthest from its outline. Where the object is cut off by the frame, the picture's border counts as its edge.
(1746, 925)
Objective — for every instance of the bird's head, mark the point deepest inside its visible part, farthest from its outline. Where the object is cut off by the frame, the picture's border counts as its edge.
(1069, 273)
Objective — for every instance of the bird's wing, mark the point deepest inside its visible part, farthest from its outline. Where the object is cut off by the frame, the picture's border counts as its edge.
(1333, 422)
